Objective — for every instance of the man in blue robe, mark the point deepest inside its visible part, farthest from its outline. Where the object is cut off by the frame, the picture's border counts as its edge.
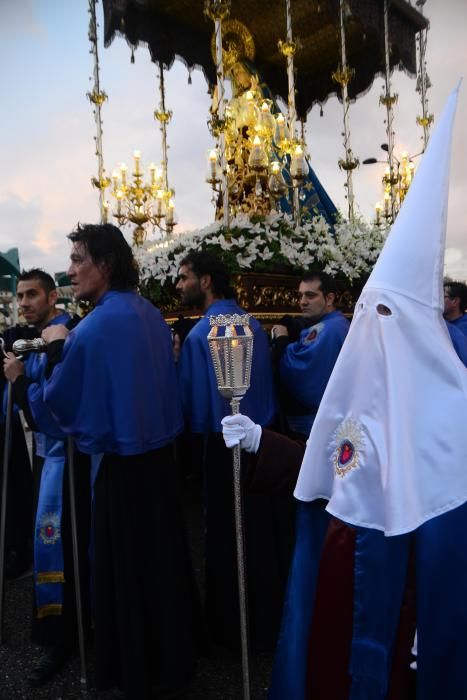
(455, 304)
(53, 622)
(306, 365)
(204, 283)
(118, 370)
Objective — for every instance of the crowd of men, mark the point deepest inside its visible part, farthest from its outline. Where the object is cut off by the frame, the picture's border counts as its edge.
(109, 381)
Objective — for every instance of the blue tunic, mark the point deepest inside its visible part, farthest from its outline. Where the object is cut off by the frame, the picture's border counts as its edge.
(459, 340)
(307, 364)
(34, 365)
(461, 323)
(203, 406)
(115, 387)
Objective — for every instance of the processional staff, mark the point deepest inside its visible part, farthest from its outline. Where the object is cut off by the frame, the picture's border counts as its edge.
(231, 344)
(6, 465)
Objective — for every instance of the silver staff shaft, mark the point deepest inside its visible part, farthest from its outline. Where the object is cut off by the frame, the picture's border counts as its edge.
(241, 568)
(6, 466)
(74, 538)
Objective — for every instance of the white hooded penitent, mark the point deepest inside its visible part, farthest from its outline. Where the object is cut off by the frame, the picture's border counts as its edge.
(388, 447)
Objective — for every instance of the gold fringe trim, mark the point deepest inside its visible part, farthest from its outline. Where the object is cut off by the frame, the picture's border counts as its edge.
(50, 577)
(52, 609)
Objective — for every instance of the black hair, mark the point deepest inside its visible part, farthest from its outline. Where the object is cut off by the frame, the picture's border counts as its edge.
(204, 262)
(105, 244)
(457, 289)
(45, 280)
(328, 284)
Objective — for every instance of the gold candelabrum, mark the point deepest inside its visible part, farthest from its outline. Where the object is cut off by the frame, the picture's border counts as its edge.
(396, 183)
(141, 202)
(264, 162)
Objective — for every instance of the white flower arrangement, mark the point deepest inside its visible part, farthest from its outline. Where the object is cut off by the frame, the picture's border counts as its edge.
(272, 244)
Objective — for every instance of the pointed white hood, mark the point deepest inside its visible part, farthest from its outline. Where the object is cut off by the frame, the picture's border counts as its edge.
(387, 447)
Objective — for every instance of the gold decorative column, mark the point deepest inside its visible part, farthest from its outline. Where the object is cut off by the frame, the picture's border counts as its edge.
(389, 100)
(97, 97)
(423, 82)
(288, 49)
(217, 11)
(343, 76)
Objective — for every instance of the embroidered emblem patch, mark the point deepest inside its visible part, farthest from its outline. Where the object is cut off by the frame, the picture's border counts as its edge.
(348, 440)
(313, 333)
(49, 528)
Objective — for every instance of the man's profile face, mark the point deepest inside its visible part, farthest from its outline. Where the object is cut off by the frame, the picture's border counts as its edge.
(37, 306)
(313, 304)
(451, 305)
(88, 280)
(189, 287)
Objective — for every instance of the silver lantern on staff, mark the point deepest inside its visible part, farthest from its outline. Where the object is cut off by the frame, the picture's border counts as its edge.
(231, 344)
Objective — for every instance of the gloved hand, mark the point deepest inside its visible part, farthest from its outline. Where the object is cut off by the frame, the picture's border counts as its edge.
(239, 429)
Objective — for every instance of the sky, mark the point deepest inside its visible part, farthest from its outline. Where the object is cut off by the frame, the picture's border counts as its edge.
(48, 127)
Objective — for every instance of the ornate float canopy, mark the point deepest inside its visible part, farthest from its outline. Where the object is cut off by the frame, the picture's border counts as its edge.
(179, 29)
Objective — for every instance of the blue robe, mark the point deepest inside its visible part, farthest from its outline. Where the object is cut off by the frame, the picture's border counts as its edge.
(459, 340)
(114, 390)
(268, 523)
(461, 323)
(203, 406)
(307, 364)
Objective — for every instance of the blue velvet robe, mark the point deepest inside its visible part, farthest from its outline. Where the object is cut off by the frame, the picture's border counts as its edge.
(459, 339)
(461, 323)
(115, 389)
(307, 364)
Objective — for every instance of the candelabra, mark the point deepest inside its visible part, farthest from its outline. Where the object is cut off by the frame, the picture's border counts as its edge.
(231, 344)
(259, 160)
(264, 162)
(139, 202)
(396, 182)
(152, 202)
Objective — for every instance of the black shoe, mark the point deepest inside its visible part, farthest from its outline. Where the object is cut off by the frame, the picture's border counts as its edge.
(49, 664)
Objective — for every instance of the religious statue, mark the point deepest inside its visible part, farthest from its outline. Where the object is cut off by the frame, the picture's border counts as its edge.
(265, 162)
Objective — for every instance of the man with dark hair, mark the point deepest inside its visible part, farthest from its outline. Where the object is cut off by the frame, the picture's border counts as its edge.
(306, 364)
(53, 622)
(204, 282)
(112, 386)
(455, 304)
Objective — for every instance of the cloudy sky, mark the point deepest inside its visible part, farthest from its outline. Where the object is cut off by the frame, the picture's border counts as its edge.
(48, 127)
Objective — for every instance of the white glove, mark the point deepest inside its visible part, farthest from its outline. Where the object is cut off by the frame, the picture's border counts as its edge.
(239, 429)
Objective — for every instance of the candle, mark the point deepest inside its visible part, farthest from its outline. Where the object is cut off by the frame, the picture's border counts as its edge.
(159, 197)
(137, 157)
(170, 212)
(115, 180)
(386, 203)
(123, 171)
(119, 202)
(281, 126)
(378, 212)
(213, 163)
